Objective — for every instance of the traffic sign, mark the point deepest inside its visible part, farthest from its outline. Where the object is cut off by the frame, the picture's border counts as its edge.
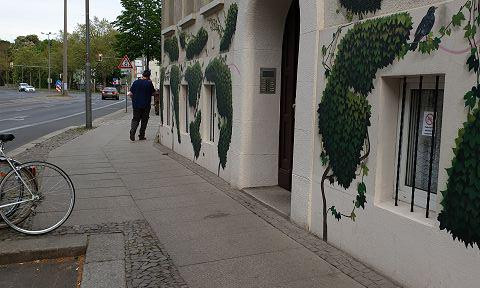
(58, 86)
(125, 64)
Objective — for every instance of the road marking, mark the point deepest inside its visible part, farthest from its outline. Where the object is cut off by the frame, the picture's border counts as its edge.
(16, 118)
(57, 119)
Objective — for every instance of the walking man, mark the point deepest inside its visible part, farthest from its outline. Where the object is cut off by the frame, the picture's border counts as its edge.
(141, 93)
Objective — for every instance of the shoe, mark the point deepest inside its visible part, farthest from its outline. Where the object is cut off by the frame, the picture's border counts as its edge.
(142, 138)
(132, 137)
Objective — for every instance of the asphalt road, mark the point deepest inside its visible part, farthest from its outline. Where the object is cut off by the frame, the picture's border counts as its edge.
(32, 115)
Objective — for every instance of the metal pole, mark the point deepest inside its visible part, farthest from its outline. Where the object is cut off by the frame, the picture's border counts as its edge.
(49, 62)
(88, 93)
(65, 50)
(126, 96)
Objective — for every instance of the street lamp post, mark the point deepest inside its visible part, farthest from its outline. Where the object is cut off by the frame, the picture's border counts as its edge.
(65, 50)
(49, 60)
(88, 93)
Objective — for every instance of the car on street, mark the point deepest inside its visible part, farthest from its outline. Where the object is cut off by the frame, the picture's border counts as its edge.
(111, 93)
(22, 86)
(30, 89)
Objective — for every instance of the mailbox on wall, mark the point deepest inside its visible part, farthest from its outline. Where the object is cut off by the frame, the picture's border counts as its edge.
(268, 80)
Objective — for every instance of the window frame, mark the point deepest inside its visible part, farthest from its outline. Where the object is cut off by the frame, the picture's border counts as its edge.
(168, 102)
(404, 191)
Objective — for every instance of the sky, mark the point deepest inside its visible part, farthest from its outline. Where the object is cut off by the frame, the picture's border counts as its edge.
(24, 17)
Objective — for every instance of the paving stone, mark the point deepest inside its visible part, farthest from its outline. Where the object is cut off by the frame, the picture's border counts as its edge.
(104, 274)
(105, 247)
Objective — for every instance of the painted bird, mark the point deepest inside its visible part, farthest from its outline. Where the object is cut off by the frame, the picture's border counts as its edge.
(424, 28)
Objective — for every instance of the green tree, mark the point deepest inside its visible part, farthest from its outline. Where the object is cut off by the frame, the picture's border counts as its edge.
(104, 58)
(140, 26)
(5, 58)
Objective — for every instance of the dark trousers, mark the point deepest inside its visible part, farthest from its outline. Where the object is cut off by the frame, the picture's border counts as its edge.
(140, 115)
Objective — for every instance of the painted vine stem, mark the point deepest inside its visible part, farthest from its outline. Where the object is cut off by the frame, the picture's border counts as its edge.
(460, 215)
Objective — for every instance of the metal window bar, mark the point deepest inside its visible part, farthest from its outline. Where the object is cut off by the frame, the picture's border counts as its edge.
(432, 148)
(212, 114)
(167, 94)
(404, 96)
(415, 147)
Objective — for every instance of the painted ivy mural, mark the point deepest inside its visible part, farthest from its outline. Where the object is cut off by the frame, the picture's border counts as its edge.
(194, 78)
(175, 78)
(230, 28)
(170, 46)
(344, 112)
(219, 73)
(196, 44)
(460, 215)
(183, 39)
(226, 32)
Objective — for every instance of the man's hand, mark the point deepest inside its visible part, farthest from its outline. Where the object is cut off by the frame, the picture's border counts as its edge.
(130, 94)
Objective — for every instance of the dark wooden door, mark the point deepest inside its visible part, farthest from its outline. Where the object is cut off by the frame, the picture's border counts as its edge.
(291, 39)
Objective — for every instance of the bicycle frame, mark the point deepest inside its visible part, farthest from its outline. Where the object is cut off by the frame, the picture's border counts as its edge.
(3, 156)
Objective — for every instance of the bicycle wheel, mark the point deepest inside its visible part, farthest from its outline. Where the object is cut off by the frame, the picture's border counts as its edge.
(50, 194)
(13, 193)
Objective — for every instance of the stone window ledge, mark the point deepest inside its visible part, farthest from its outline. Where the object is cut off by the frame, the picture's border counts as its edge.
(169, 31)
(212, 8)
(403, 210)
(188, 20)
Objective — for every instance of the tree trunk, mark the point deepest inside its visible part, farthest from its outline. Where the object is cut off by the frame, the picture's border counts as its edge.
(147, 65)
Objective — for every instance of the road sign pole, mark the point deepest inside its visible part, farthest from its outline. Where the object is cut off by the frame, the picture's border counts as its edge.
(88, 93)
(65, 51)
(126, 97)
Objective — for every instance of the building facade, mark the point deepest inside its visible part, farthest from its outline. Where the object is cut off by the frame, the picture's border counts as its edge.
(306, 94)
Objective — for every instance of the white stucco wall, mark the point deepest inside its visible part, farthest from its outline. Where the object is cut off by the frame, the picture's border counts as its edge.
(404, 246)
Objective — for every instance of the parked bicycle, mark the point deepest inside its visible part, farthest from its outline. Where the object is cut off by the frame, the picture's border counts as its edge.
(35, 197)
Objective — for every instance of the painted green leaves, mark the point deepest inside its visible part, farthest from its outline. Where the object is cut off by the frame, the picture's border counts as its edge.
(194, 78)
(361, 7)
(195, 136)
(219, 73)
(194, 46)
(170, 46)
(230, 28)
(175, 78)
(344, 112)
(461, 200)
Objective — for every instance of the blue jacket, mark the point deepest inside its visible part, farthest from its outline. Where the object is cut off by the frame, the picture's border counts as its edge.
(142, 91)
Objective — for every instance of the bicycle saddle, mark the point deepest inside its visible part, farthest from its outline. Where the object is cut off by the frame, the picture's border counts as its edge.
(6, 137)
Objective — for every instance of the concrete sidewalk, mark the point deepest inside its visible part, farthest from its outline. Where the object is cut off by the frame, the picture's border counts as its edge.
(212, 239)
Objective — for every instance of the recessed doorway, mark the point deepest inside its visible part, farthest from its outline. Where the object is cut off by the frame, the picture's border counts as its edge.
(290, 48)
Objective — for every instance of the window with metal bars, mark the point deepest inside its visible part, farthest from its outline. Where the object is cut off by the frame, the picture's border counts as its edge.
(419, 142)
(168, 103)
(212, 113)
(185, 95)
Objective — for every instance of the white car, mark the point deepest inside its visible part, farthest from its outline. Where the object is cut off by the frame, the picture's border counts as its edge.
(30, 89)
(22, 86)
